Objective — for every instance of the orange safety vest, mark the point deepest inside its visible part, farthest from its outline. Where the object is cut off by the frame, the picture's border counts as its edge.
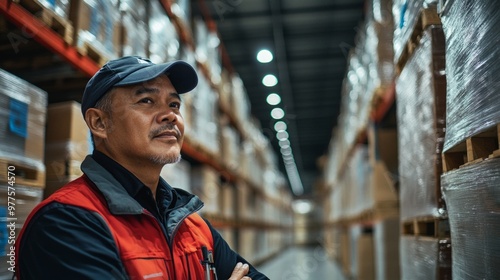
(141, 243)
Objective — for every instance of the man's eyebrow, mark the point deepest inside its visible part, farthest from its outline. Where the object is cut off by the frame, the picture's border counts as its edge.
(143, 90)
(175, 94)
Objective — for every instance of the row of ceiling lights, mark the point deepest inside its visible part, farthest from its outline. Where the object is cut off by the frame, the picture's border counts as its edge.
(273, 99)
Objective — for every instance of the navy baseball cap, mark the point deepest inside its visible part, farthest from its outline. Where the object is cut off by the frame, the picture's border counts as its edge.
(131, 70)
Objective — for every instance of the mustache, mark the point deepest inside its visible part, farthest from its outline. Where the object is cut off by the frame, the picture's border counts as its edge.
(163, 128)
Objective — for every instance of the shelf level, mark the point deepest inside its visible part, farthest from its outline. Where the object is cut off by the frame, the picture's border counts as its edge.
(33, 28)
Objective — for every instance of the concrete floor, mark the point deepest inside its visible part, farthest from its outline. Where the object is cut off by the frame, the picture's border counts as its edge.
(302, 263)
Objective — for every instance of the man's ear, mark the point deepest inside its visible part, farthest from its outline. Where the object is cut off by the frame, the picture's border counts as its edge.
(98, 122)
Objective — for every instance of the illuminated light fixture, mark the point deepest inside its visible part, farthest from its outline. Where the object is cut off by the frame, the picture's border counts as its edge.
(302, 206)
(277, 113)
(269, 80)
(282, 135)
(264, 56)
(283, 143)
(273, 99)
(286, 152)
(281, 125)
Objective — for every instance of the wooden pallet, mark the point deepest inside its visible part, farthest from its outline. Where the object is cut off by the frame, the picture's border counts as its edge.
(473, 149)
(426, 227)
(60, 25)
(426, 18)
(86, 48)
(25, 175)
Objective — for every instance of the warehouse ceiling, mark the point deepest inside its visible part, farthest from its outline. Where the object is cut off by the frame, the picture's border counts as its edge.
(310, 41)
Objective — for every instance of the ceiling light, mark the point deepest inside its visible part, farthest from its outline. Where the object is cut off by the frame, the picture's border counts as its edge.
(269, 80)
(281, 125)
(282, 135)
(264, 56)
(277, 113)
(273, 99)
(283, 143)
(286, 152)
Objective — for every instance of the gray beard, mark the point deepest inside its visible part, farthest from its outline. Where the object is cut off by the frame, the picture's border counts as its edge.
(162, 160)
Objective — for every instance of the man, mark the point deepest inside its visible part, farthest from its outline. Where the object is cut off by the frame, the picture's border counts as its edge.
(120, 220)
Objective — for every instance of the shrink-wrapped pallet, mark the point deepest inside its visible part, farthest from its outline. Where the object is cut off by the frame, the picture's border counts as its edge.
(421, 109)
(472, 196)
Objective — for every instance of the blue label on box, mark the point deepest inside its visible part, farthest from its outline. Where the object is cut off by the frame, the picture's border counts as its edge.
(18, 118)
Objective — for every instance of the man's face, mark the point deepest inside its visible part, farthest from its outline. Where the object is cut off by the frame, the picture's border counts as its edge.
(145, 123)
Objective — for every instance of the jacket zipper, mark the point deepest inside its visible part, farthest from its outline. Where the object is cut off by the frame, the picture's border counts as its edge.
(176, 228)
(145, 211)
(187, 263)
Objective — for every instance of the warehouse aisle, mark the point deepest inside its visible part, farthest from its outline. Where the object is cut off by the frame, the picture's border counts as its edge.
(302, 263)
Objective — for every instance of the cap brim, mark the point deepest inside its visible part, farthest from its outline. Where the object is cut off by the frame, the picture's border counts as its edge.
(182, 75)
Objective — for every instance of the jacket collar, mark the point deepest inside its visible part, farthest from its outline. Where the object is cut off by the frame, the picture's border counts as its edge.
(119, 201)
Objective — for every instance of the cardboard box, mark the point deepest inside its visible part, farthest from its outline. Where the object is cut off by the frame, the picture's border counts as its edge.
(205, 183)
(67, 140)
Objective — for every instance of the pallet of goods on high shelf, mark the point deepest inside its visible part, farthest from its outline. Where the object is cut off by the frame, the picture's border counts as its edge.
(67, 143)
(421, 114)
(202, 125)
(164, 41)
(54, 14)
(411, 19)
(22, 130)
(16, 202)
(365, 193)
(133, 28)
(205, 183)
(421, 109)
(473, 199)
(96, 27)
(472, 64)
(207, 50)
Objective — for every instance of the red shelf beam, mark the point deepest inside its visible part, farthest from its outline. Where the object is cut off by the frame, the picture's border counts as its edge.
(33, 28)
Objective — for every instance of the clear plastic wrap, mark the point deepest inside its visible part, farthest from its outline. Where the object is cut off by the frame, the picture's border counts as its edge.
(370, 70)
(425, 258)
(472, 66)
(22, 122)
(96, 25)
(135, 30)
(472, 194)
(420, 90)
(204, 116)
(207, 49)
(386, 249)
(164, 41)
(61, 7)
(406, 13)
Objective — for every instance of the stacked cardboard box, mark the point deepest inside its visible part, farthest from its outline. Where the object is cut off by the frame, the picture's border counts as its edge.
(22, 138)
(96, 27)
(22, 129)
(67, 144)
(205, 183)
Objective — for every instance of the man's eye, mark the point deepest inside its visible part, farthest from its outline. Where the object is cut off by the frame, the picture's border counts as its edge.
(146, 100)
(175, 105)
